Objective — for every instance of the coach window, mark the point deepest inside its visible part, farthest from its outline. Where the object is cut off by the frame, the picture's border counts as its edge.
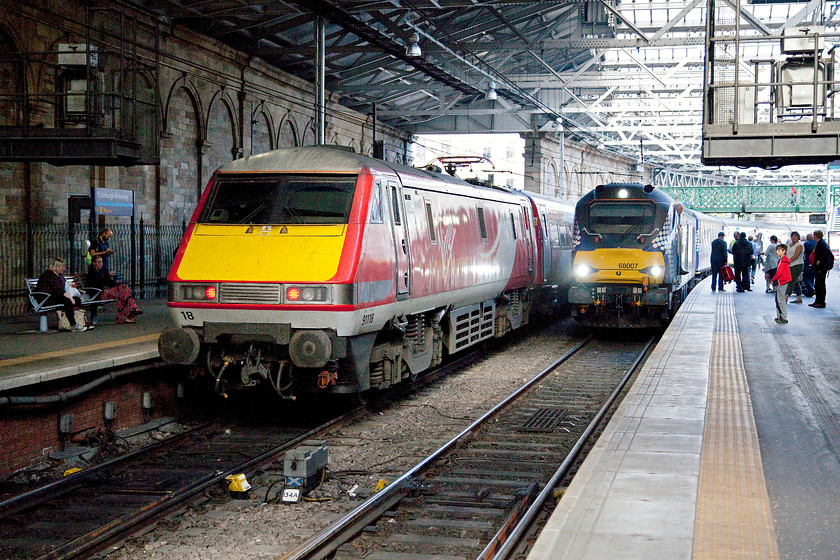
(376, 203)
(430, 219)
(513, 225)
(482, 227)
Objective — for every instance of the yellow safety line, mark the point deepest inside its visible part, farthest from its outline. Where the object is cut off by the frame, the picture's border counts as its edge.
(733, 515)
(78, 350)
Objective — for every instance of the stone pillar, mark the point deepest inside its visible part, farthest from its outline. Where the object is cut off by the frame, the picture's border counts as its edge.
(544, 153)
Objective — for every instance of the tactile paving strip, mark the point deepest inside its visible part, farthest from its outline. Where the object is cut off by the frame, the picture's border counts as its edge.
(733, 516)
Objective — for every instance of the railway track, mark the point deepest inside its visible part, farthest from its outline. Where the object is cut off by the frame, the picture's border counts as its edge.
(86, 511)
(476, 495)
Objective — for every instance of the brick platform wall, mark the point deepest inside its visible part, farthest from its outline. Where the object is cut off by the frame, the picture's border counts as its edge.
(29, 434)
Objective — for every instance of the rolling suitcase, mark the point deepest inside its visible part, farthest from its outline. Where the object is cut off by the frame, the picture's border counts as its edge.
(726, 272)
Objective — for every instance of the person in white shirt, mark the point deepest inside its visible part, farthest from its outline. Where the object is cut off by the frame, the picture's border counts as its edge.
(771, 261)
(795, 252)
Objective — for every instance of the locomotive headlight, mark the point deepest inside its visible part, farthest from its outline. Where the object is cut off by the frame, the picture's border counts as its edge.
(197, 292)
(623, 193)
(307, 294)
(582, 270)
(653, 271)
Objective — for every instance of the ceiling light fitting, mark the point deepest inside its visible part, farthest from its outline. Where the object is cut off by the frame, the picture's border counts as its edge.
(413, 48)
(491, 91)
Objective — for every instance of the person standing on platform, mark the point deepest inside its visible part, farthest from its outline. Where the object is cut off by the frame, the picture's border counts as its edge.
(823, 262)
(780, 280)
(718, 260)
(735, 237)
(771, 261)
(101, 248)
(807, 268)
(797, 259)
(742, 255)
(757, 256)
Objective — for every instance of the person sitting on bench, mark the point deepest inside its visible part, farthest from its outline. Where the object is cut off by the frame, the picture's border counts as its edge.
(98, 277)
(52, 282)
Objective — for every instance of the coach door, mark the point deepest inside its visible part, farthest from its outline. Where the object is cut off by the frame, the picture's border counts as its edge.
(403, 256)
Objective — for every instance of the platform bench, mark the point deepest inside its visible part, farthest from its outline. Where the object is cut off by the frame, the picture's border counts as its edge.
(37, 299)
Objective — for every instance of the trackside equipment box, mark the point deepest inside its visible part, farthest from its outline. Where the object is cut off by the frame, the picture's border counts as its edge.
(304, 465)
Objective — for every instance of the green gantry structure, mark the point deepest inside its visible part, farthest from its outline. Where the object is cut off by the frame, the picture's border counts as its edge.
(758, 199)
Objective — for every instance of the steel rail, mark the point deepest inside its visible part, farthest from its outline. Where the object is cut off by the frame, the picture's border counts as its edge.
(328, 539)
(168, 501)
(514, 535)
(123, 525)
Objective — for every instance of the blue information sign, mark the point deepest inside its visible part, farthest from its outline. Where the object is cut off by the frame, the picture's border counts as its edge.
(113, 202)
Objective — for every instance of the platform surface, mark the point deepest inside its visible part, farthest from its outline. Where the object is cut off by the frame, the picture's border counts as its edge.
(727, 445)
(29, 356)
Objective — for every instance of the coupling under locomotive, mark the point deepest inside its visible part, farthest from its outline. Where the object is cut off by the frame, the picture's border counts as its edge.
(317, 269)
(637, 254)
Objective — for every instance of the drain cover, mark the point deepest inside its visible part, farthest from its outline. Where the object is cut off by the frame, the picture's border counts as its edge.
(543, 420)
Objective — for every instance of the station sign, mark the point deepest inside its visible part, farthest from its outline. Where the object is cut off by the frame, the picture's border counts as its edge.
(817, 218)
(113, 202)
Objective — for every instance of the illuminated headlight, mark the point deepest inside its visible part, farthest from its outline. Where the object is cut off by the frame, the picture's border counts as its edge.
(307, 294)
(198, 292)
(653, 271)
(583, 270)
(623, 193)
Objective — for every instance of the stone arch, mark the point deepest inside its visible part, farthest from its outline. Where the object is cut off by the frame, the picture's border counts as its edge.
(308, 135)
(182, 84)
(148, 109)
(551, 186)
(229, 106)
(335, 140)
(287, 135)
(12, 81)
(220, 143)
(262, 127)
(180, 154)
(353, 146)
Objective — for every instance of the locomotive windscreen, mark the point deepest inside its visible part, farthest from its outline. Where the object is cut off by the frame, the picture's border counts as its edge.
(279, 199)
(620, 218)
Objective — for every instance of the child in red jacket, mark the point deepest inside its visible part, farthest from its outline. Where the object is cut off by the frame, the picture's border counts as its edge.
(780, 281)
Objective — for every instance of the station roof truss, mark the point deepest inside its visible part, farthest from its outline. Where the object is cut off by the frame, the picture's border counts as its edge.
(626, 77)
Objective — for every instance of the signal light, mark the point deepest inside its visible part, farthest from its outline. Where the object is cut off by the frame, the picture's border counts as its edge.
(292, 294)
(210, 292)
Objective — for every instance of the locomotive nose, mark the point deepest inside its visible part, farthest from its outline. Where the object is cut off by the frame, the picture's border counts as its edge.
(310, 349)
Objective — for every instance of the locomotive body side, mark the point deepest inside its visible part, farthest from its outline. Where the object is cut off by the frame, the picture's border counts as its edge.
(318, 269)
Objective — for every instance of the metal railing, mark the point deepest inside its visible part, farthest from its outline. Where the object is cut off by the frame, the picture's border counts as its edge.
(143, 256)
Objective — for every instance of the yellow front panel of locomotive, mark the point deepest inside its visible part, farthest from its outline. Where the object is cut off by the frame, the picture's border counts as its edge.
(620, 265)
(265, 253)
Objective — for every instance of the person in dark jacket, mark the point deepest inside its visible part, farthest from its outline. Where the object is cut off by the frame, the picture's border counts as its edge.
(823, 262)
(718, 261)
(742, 255)
(52, 282)
(807, 268)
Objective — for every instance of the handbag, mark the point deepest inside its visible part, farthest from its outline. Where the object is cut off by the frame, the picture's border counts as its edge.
(64, 322)
(72, 290)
